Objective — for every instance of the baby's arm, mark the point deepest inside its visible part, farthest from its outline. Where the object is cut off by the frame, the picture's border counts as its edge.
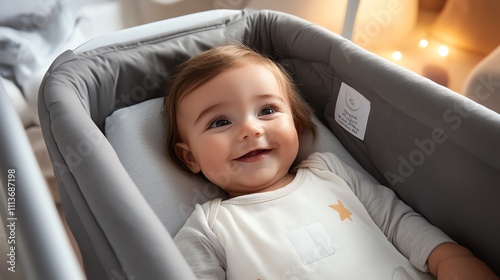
(423, 244)
(406, 229)
(452, 261)
(200, 248)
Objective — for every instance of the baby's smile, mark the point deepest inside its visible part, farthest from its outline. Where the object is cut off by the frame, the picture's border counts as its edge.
(254, 155)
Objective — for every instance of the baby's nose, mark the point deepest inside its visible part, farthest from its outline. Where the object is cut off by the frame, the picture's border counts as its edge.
(251, 128)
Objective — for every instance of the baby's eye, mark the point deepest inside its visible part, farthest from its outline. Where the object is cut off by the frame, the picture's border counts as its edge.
(267, 110)
(219, 123)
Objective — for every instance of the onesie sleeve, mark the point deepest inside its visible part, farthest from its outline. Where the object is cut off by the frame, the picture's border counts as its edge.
(406, 229)
(200, 247)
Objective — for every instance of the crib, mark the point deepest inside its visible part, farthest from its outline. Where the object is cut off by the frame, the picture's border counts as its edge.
(100, 112)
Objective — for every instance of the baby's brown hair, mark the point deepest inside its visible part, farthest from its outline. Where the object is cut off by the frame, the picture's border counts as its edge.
(203, 67)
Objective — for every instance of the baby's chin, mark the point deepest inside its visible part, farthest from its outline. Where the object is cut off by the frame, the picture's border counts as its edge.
(259, 185)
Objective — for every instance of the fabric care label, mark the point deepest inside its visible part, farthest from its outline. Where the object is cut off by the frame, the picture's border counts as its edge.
(352, 111)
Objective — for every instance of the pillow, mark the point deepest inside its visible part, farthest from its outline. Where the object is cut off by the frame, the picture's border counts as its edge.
(138, 137)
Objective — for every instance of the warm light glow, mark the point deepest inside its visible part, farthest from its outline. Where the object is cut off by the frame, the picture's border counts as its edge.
(397, 55)
(443, 51)
(424, 43)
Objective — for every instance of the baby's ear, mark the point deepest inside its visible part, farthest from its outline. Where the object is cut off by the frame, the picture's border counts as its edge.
(183, 152)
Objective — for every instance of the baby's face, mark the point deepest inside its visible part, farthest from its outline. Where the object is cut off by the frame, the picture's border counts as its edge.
(238, 130)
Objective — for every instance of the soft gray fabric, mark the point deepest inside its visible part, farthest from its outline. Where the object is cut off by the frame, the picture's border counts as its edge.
(453, 182)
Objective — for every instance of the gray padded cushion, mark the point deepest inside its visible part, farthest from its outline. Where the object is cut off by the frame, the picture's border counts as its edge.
(454, 182)
(137, 133)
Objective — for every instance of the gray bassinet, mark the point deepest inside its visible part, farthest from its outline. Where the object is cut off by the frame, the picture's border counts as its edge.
(438, 150)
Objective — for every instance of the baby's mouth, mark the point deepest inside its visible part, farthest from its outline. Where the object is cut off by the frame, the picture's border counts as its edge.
(253, 154)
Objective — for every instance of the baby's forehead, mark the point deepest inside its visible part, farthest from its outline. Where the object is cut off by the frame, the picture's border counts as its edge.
(270, 67)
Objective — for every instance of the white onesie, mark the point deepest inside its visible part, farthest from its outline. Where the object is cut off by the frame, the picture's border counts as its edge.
(328, 223)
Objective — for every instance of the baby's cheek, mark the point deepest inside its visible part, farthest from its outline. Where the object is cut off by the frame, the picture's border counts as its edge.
(288, 134)
(216, 164)
(212, 154)
(287, 126)
(218, 173)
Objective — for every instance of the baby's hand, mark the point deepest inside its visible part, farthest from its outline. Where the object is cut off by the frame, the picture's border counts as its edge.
(450, 261)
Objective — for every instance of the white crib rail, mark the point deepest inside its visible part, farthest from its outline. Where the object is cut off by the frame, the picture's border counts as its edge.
(37, 244)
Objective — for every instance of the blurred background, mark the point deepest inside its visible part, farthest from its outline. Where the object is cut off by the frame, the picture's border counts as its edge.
(452, 42)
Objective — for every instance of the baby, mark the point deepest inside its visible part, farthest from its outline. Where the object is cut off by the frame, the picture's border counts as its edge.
(235, 117)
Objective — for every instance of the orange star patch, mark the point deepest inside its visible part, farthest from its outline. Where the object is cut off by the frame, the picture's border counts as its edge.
(343, 212)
